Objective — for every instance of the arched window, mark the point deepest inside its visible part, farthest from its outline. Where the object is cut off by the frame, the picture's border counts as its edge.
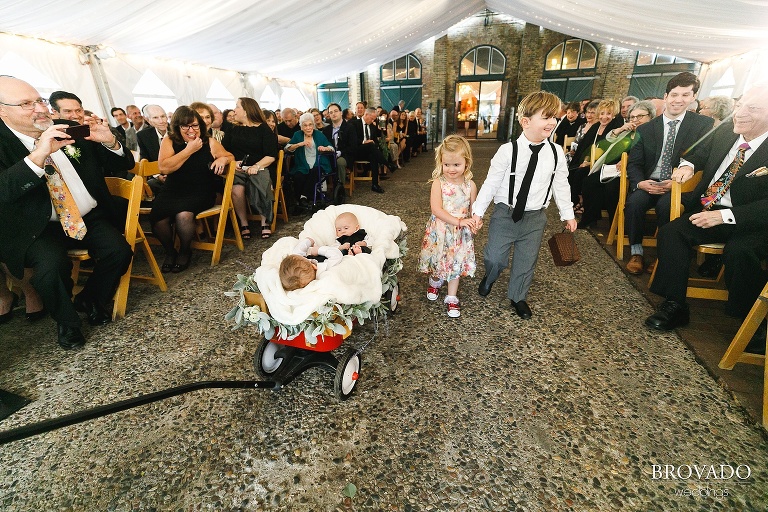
(571, 54)
(406, 67)
(401, 81)
(483, 60)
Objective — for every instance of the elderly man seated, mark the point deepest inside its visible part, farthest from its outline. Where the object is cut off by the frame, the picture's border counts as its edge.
(53, 197)
(728, 206)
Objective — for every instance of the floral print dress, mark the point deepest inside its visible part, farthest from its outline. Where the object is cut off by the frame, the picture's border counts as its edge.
(448, 252)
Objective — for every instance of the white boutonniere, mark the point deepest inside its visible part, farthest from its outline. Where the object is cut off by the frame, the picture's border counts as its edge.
(73, 153)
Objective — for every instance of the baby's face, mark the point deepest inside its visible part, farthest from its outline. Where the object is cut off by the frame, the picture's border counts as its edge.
(345, 227)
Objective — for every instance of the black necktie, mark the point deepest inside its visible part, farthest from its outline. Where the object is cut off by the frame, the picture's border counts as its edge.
(367, 133)
(525, 187)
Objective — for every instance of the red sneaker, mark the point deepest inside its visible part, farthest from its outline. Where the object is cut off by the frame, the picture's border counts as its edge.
(454, 310)
(432, 292)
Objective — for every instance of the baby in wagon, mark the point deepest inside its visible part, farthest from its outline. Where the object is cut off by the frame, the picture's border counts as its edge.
(298, 269)
(354, 280)
(351, 237)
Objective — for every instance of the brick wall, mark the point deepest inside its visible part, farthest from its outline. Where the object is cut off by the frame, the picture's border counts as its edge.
(525, 47)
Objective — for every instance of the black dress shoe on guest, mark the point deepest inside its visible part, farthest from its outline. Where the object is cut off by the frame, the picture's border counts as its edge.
(522, 309)
(37, 315)
(485, 287)
(96, 314)
(669, 315)
(70, 337)
(378, 189)
(7, 317)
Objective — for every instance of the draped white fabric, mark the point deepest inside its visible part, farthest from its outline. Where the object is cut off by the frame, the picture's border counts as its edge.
(273, 45)
(318, 41)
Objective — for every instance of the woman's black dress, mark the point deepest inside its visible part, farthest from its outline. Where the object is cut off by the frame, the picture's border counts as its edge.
(191, 188)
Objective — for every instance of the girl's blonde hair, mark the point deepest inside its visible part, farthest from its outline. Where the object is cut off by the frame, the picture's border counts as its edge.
(453, 144)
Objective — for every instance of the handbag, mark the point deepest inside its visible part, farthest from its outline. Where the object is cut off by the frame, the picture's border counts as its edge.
(563, 248)
(609, 172)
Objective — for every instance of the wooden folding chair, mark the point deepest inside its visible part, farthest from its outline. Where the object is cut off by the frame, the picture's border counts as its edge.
(735, 353)
(279, 208)
(616, 233)
(698, 288)
(130, 190)
(567, 143)
(366, 174)
(223, 211)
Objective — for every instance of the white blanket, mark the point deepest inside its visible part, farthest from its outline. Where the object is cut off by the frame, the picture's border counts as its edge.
(357, 279)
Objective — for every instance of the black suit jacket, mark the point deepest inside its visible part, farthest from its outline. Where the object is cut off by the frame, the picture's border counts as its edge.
(149, 144)
(749, 194)
(357, 128)
(25, 204)
(347, 141)
(647, 151)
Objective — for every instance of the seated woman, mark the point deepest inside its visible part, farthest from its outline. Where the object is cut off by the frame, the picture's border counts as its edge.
(254, 145)
(306, 146)
(718, 108)
(421, 132)
(191, 160)
(412, 134)
(392, 138)
(580, 165)
(401, 129)
(9, 300)
(597, 195)
(590, 118)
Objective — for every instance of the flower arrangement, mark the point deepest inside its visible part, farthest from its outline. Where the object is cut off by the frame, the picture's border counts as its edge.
(72, 152)
(331, 318)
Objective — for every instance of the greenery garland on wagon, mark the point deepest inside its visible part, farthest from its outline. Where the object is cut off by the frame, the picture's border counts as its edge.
(331, 317)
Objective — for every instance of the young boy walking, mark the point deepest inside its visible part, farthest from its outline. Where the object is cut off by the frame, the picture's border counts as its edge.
(524, 174)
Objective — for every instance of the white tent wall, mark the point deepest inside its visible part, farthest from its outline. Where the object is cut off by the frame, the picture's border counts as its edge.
(58, 62)
(188, 82)
(748, 68)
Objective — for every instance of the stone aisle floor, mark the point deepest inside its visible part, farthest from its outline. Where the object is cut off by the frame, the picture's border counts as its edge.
(573, 410)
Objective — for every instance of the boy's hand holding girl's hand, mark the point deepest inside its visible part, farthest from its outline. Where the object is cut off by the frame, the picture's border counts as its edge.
(471, 223)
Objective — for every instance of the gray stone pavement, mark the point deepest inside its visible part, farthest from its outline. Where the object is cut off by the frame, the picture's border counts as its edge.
(572, 410)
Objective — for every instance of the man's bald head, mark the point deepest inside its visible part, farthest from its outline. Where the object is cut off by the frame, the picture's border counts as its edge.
(31, 119)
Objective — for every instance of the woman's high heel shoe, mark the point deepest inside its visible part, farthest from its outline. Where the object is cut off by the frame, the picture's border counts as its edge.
(6, 317)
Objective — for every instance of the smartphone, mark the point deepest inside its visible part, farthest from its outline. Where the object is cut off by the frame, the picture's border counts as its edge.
(80, 131)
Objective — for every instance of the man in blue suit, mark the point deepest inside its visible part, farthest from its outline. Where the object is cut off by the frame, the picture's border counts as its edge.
(661, 143)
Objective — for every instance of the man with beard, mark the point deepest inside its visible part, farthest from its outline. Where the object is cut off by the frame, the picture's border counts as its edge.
(53, 197)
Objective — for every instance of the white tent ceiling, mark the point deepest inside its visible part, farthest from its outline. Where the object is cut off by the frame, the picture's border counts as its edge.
(320, 40)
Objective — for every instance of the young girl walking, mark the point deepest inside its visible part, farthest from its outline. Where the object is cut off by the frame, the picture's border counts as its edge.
(447, 251)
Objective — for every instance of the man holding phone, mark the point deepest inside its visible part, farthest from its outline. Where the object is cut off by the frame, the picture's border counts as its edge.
(53, 197)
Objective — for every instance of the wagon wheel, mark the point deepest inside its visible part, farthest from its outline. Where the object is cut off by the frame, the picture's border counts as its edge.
(391, 297)
(265, 360)
(347, 374)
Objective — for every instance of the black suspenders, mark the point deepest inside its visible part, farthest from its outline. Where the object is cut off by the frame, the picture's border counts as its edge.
(514, 165)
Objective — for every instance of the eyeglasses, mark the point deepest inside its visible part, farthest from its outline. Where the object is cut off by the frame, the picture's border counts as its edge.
(187, 127)
(752, 109)
(637, 117)
(27, 105)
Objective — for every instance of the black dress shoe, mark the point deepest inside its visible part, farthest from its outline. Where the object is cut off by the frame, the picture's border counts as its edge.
(70, 337)
(7, 317)
(377, 189)
(522, 309)
(485, 287)
(96, 314)
(669, 315)
(37, 315)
